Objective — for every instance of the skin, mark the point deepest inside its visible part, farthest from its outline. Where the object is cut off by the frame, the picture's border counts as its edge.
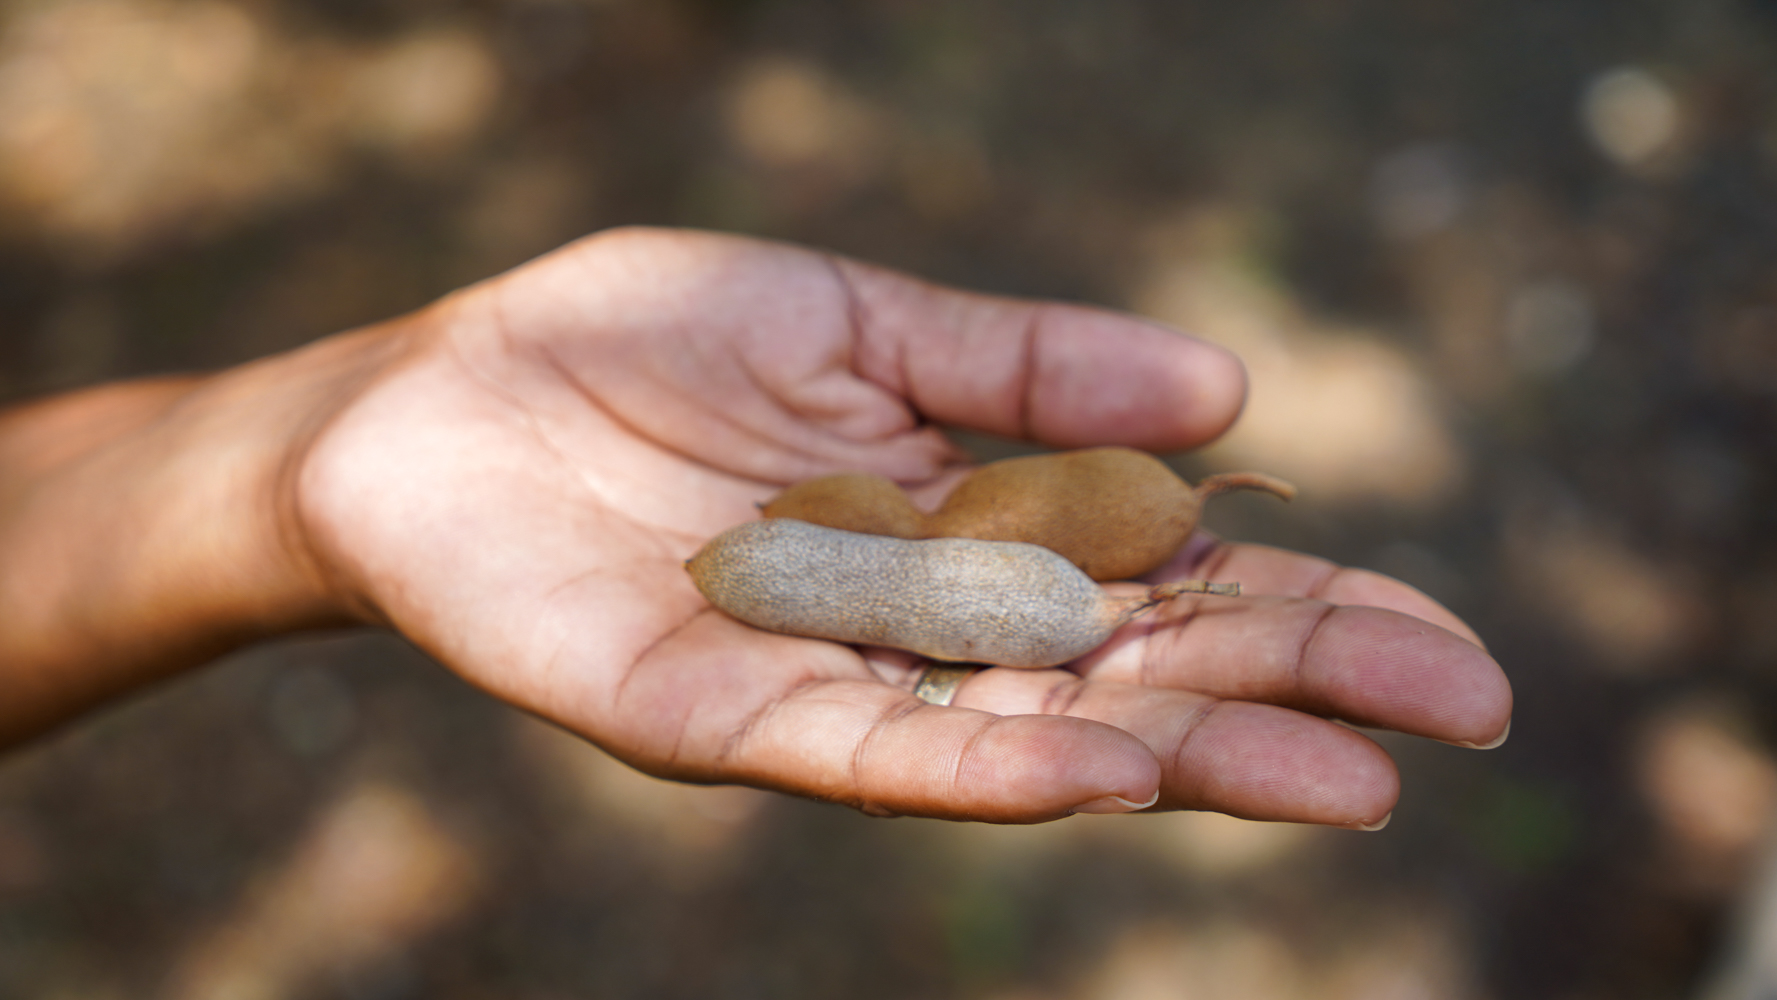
(513, 477)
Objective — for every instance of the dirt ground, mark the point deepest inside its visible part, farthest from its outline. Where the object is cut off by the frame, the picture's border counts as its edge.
(1503, 274)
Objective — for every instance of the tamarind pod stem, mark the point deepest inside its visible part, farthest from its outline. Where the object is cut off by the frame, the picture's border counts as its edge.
(1164, 592)
(1168, 591)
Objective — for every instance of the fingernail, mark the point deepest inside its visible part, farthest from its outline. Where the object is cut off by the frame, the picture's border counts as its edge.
(1115, 804)
(1497, 741)
(1379, 824)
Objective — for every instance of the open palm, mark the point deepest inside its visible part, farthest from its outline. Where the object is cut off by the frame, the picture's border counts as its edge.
(517, 490)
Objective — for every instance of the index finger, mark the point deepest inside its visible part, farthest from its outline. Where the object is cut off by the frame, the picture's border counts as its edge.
(1064, 375)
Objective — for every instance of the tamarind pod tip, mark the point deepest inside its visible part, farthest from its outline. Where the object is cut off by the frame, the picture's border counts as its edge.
(1223, 482)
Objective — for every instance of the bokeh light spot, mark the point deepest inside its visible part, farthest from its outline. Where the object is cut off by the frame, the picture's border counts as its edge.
(1631, 114)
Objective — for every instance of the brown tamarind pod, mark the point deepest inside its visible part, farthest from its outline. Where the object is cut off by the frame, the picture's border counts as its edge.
(1006, 603)
(1114, 512)
(851, 501)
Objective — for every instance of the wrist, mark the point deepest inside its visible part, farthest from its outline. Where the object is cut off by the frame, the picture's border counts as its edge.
(150, 526)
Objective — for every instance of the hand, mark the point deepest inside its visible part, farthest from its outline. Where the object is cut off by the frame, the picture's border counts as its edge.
(517, 482)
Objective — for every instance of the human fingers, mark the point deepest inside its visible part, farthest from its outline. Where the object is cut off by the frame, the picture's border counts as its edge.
(1249, 760)
(716, 701)
(1261, 569)
(1064, 375)
(1364, 665)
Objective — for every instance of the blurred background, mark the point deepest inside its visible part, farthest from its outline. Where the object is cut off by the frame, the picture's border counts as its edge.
(1503, 273)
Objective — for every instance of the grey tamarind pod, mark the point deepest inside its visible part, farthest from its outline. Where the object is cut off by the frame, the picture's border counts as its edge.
(1012, 604)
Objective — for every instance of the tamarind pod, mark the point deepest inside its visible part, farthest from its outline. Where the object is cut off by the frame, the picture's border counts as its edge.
(1116, 513)
(1005, 603)
(851, 501)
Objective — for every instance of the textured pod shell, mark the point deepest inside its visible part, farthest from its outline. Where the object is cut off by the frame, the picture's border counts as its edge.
(1115, 512)
(1006, 603)
(851, 501)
